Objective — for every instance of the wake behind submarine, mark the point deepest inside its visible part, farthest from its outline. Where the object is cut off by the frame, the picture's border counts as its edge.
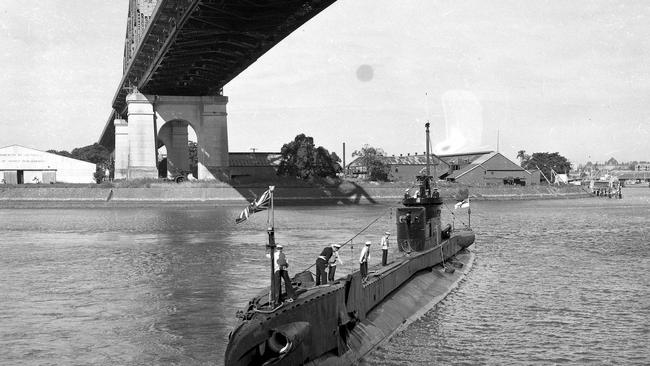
(338, 323)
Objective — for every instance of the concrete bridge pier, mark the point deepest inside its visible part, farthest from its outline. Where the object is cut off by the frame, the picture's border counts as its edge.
(121, 149)
(213, 140)
(142, 143)
(164, 120)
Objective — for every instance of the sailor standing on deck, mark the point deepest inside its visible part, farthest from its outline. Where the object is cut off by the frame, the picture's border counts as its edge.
(281, 273)
(384, 248)
(322, 262)
(332, 262)
(363, 260)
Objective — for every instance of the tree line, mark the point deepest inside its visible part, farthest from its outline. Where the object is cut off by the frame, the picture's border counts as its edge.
(544, 162)
(95, 153)
(302, 159)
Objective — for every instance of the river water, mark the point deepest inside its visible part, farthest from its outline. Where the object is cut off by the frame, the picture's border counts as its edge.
(554, 282)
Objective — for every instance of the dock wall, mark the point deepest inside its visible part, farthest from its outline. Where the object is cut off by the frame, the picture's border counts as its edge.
(340, 194)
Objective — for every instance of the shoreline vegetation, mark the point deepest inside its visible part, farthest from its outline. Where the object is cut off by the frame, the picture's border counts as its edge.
(287, 192)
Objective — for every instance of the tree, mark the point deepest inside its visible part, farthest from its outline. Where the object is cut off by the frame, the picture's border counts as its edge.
(522, 156)
(371, 158)
(545, 162)
(62, 153)
(301, 159)
(94, 153)
(326, 164)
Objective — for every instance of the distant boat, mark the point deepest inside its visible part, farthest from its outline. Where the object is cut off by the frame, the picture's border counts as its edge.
(606, 187)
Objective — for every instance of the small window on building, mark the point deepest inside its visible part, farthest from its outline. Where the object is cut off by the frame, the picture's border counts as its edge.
(396, 170)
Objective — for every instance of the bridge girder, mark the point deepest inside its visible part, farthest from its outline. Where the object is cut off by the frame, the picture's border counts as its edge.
(195, 47)
(214, 39)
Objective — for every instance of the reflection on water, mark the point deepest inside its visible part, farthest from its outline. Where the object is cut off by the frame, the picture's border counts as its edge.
(554, 282)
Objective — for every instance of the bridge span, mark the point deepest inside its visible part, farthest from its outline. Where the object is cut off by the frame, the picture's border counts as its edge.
(178, 56)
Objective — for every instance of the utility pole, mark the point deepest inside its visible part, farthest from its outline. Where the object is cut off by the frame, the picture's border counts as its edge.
(497, 140)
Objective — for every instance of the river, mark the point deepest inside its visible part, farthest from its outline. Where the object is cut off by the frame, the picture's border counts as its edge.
(554, 282)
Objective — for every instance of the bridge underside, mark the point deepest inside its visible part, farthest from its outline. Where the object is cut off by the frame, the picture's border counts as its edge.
(195, 47)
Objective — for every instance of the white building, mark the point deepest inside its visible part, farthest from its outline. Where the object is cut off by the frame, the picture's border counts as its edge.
(22, 165)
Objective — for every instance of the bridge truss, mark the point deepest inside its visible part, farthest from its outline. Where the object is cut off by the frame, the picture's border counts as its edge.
(195, 47)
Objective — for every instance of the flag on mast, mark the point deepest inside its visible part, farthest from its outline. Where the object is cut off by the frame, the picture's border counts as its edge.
(259, 204)
(462, 204)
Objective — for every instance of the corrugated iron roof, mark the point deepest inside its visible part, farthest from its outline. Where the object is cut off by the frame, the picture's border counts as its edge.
(412, 160)
(247, 159)
(405, 160)
(464, 158)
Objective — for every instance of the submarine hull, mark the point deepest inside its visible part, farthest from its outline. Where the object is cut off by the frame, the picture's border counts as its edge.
(340, 322)
(334, 320)
(410, 302)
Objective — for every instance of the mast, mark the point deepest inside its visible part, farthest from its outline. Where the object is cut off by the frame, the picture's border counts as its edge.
(427, 129)
(270, 219)
(344, 166)
(497, 140)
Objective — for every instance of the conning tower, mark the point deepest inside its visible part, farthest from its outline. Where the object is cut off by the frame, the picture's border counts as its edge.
(418, 222)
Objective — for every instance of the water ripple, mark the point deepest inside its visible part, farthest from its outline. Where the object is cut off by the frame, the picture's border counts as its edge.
(554, 282)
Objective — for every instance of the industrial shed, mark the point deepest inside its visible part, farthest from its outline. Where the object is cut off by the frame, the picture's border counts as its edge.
(248, 167)
(406, 168)
(22, 165)
(492, 169)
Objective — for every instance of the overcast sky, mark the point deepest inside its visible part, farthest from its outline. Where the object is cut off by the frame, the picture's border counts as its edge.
(565, 76)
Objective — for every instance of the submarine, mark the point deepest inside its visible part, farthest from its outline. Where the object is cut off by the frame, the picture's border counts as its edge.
(340, 322)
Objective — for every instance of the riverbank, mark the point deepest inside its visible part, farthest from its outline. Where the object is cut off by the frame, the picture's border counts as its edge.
(344, 193)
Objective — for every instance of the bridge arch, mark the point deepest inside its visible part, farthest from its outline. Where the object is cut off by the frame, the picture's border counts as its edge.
(208, 117)
(172, 144)
(147, 128)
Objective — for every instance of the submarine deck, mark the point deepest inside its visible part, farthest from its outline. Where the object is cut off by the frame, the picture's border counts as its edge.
(401, 308)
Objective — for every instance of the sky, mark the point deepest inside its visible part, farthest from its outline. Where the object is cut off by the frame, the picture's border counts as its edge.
(546, 76)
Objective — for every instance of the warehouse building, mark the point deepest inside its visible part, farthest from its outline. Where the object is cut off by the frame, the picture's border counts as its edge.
(490, 168)
(22, 165)
(472, 168)
(248, 167)
(407, 167)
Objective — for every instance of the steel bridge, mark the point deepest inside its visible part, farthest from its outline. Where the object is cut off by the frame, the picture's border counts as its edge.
(193, 48)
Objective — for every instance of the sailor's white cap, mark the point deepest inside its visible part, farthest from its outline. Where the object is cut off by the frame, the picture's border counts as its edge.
(278, 246)
(336, 246)
(387, 233)
(368, 242)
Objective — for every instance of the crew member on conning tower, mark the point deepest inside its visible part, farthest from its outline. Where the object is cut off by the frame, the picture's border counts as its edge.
(280, 274)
